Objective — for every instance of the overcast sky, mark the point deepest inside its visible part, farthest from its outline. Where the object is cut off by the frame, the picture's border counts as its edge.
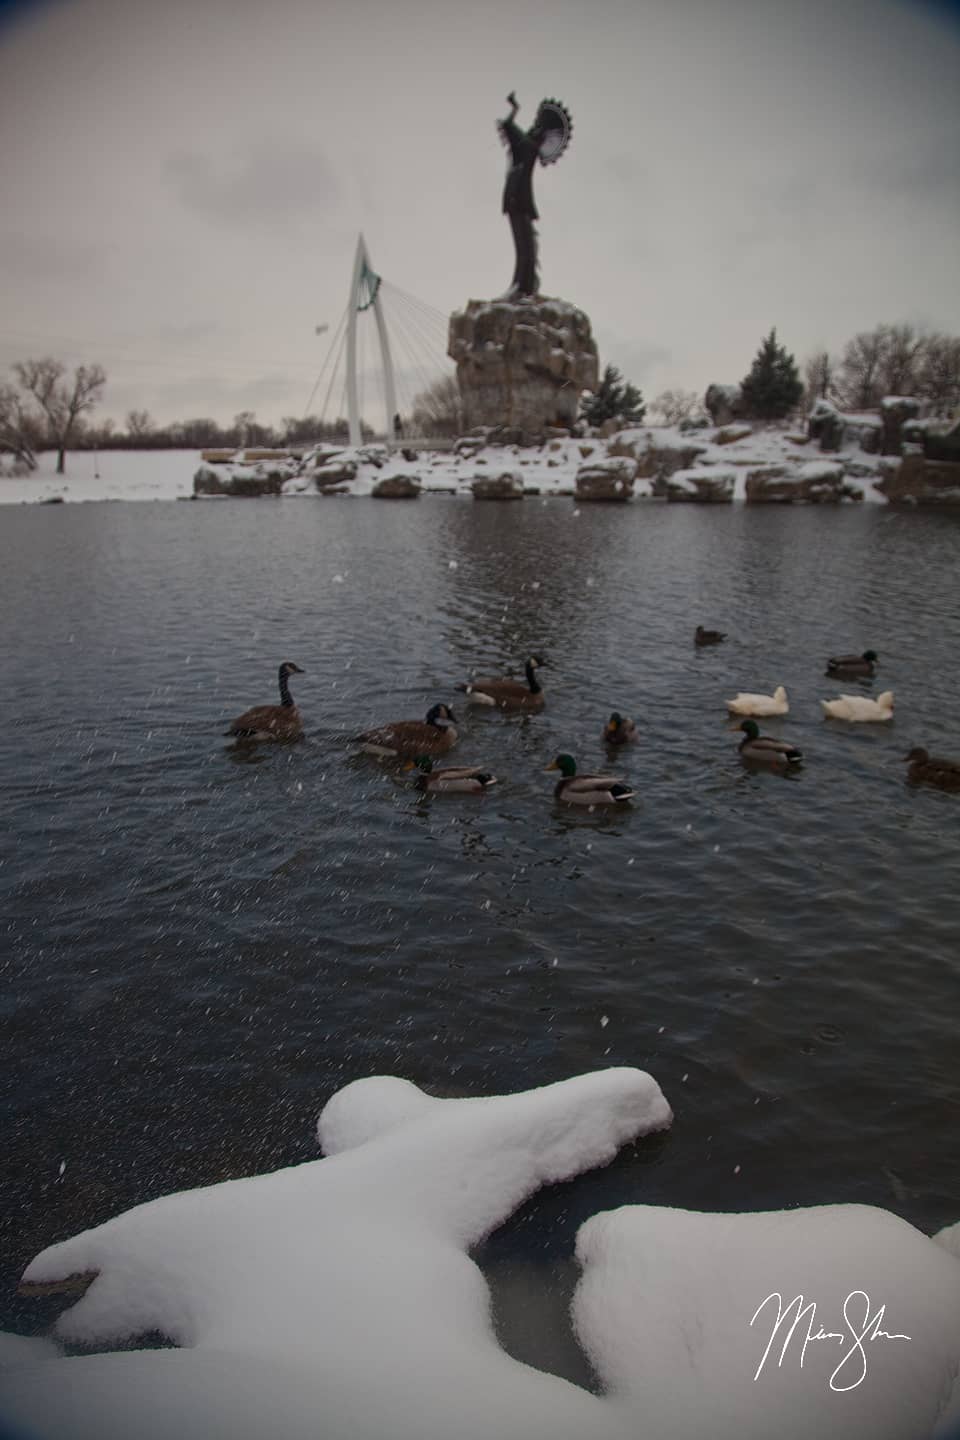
(183, 183)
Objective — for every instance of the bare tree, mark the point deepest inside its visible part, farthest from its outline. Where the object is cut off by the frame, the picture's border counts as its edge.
(61, 402)
(674, 406)
(859, 381)
(818, 375)
(438, 410)
(902, 353)
(139, 424)
(939, 373)
(18, 435)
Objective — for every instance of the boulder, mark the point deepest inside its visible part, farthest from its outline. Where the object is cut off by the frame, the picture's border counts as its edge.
(725, 403)
(730, 434)
(895, 410)
(918, 480)
(397, 487)
(942, 444)
(334, 472)
(506, 486)
(655, 462)
(825, 426)
(864, 432)
(813, 483)
(522, 363)
(709, 486)
(249, 485)
(610, 479)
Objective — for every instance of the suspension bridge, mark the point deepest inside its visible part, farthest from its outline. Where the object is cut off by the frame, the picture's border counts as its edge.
(387, 352)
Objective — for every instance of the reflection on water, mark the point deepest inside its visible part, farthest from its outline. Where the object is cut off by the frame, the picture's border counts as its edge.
(202, 943)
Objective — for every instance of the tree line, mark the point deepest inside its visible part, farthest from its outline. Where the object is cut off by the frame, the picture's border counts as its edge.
(51, 409)
(888, 360)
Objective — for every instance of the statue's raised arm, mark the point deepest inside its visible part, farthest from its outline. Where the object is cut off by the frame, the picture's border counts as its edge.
(545, 141)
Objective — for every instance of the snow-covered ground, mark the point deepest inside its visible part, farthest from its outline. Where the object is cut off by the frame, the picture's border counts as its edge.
(550, 469)
(107, 475)
(337, 1299)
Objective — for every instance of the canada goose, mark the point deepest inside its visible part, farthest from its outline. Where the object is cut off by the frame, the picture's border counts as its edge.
(451, 779)
(931, 770)
(860, 707)
(764, 750)
(508, 694)
(708, 637)
(775, 704)
(587, 789)
(271, 722)
(619, 730)
(406, 739)
(849, 665)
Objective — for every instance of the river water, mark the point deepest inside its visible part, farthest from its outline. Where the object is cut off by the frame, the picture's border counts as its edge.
(200, 946)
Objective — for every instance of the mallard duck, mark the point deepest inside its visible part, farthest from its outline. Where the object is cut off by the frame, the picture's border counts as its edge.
(619, 730)
(775, 704)
(860, 707)
(451, 779)
(271, 722)
(587, 789)
(764, 750)
(708, 637)
(406, 739)
(864, 664)
(929, 769)
(508, 694)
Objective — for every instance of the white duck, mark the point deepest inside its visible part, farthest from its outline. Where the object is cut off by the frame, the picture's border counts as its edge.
(775, 704)
(860, 707)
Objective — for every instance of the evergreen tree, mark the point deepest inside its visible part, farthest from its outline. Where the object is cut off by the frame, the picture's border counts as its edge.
(614, 399)
(773, 388)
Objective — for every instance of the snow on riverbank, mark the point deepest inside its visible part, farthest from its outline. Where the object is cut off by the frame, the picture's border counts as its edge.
(108, 475)
(338, 1299)
(699, 457)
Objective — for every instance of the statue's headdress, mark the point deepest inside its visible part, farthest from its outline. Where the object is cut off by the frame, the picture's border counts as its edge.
(556, 122)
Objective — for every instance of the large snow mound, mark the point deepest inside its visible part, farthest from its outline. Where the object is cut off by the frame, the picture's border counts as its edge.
(665, 1306)
(336, 1298)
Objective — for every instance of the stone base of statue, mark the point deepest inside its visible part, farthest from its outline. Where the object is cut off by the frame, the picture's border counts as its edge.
(522, 363)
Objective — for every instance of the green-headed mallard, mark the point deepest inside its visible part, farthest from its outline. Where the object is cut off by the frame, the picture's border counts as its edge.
(850, 665)
(406, 739)
(619, 730)
(451, 779)
(746, 704)
(271, 722)
(508, 694)
(857, 708)
(930, 770)
(764, 750)
(708, 637)
(587, 789)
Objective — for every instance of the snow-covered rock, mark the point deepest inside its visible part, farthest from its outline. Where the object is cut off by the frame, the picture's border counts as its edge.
(917, 480)
(672, 1312)
(708, 485)
(724, 402)
(522, 363)
(812, 482)
(397, 487)
(508, 485)
(335, 1298)
(609, 479)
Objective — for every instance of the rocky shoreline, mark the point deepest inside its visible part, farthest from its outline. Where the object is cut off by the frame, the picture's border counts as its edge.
(836, 459)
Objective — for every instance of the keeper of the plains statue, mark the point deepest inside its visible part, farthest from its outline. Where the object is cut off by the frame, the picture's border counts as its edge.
(546, 140)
